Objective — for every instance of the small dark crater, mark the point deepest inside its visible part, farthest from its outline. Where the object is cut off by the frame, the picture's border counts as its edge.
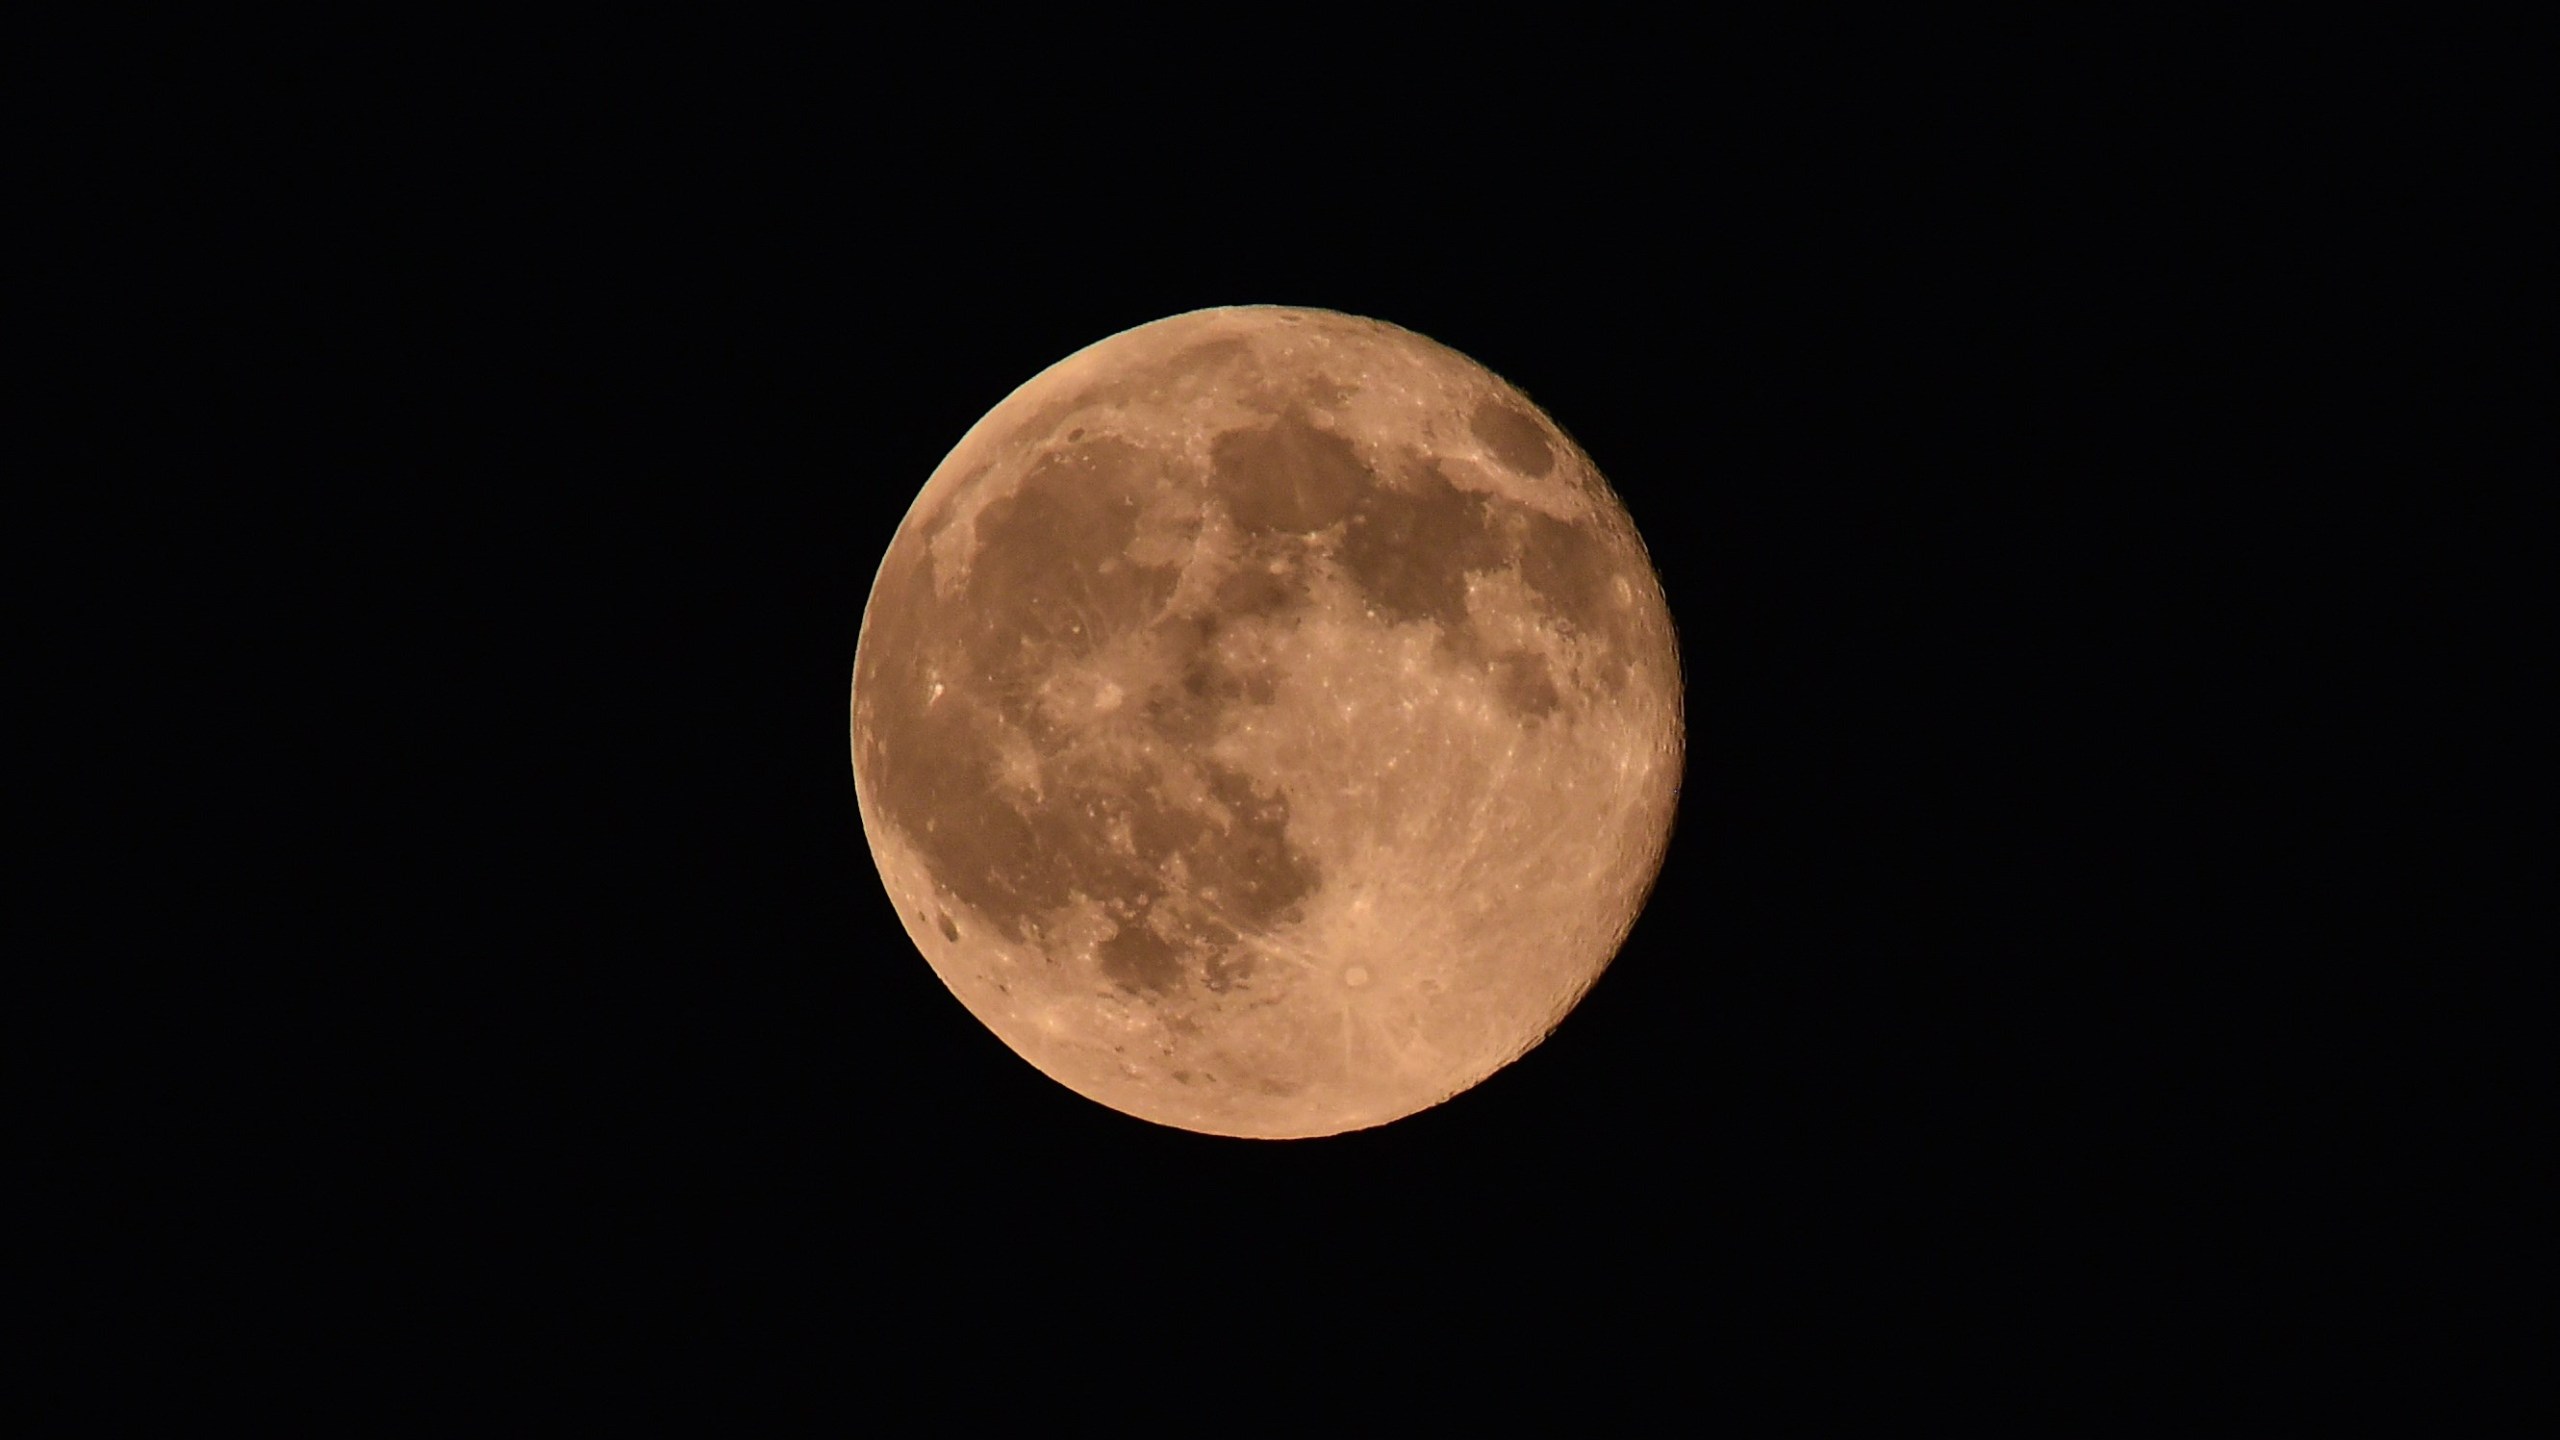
(949, 930)
(1075, 434)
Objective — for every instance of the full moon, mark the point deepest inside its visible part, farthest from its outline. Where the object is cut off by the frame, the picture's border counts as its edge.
(1268, 722)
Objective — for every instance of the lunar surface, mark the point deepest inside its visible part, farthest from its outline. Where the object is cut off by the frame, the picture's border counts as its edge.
(1268, 722)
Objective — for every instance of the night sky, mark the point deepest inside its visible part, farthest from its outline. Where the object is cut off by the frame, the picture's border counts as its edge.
(1961, 388)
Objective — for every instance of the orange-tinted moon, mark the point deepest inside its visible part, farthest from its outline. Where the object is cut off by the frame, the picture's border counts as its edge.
(1268, 722)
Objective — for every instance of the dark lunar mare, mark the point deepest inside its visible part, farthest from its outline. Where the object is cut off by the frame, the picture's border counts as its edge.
(1050, 582)
(1411, 543)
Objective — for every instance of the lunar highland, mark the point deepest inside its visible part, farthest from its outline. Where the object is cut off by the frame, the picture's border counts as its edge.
(1267, 722)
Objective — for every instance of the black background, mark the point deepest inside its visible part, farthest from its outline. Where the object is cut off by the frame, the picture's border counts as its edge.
(1978, 396)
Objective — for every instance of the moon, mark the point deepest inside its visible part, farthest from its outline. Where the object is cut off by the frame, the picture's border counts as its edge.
(1267, 722)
